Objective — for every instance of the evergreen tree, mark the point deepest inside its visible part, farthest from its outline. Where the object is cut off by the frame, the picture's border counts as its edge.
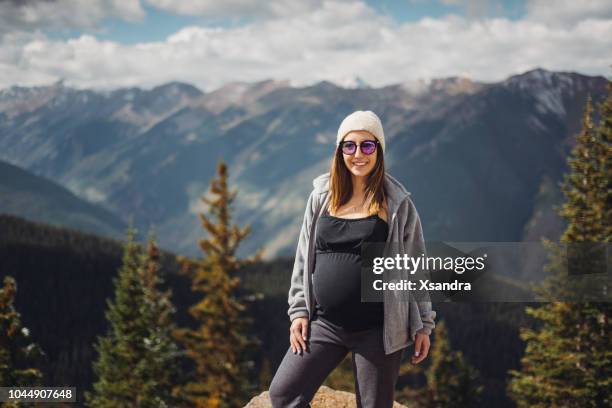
(136, 352)
(587, 185)
(221, 345)
(604, 158)
(451, 381)
(18, 353)
(161, 366)
(122, 348)
(568, 359)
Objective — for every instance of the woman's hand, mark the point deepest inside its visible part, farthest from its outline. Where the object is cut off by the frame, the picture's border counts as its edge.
(298, 333)
(421, 347)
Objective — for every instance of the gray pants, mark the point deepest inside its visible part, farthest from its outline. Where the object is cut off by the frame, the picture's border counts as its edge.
(299, 376)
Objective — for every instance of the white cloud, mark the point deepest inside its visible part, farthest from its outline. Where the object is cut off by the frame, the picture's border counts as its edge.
(335, 41)
(477, 9)
(566, 13)
(32, 15)
(237, 8)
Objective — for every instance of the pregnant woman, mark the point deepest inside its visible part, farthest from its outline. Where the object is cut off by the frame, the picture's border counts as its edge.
(356, 202)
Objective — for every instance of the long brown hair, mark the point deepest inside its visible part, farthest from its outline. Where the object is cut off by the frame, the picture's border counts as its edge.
(341, 185)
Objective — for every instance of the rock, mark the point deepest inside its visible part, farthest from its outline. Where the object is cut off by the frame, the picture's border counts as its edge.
(324, 398)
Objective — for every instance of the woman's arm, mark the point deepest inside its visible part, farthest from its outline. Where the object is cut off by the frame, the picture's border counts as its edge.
(296, 298)
(414, 243)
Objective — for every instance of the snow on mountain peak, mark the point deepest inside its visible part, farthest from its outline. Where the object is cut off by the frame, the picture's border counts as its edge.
(450, 85)
(354, 82)
(547, 87)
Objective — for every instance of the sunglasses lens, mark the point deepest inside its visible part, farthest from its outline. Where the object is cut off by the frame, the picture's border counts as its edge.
(349, 147)
(368, 147)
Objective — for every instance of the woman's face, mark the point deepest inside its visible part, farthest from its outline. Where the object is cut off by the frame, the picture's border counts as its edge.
(360, 164)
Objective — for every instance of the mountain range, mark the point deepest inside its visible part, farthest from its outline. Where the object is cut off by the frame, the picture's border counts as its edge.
(481, 160)
(39, 199)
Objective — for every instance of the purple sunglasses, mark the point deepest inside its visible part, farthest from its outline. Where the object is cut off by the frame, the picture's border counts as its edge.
(367, 146)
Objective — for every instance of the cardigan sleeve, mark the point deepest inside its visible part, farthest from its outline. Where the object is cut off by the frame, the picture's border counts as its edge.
(296, 297)
(414, 242)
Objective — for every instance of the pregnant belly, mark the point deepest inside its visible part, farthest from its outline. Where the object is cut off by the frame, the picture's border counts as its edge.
(337, 281)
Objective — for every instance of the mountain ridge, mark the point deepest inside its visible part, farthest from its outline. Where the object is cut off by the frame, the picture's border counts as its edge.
(453, 144)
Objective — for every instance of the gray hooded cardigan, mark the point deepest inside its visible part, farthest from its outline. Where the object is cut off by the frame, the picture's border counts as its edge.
(403, 315)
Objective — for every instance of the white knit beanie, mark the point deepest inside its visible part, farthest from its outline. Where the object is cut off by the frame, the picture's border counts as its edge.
(362, 120)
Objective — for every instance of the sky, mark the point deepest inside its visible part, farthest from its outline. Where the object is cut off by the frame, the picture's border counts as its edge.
(107, 44)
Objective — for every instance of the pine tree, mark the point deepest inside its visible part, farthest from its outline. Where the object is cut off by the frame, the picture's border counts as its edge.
(135, 363)
(451, 381)
(161, 366)
(18, 353)
(603, 158)
(568, 359)
(121, 349)
(584, 197)
(221, 345)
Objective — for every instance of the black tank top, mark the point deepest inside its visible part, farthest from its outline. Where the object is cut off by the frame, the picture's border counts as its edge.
(337, 271)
